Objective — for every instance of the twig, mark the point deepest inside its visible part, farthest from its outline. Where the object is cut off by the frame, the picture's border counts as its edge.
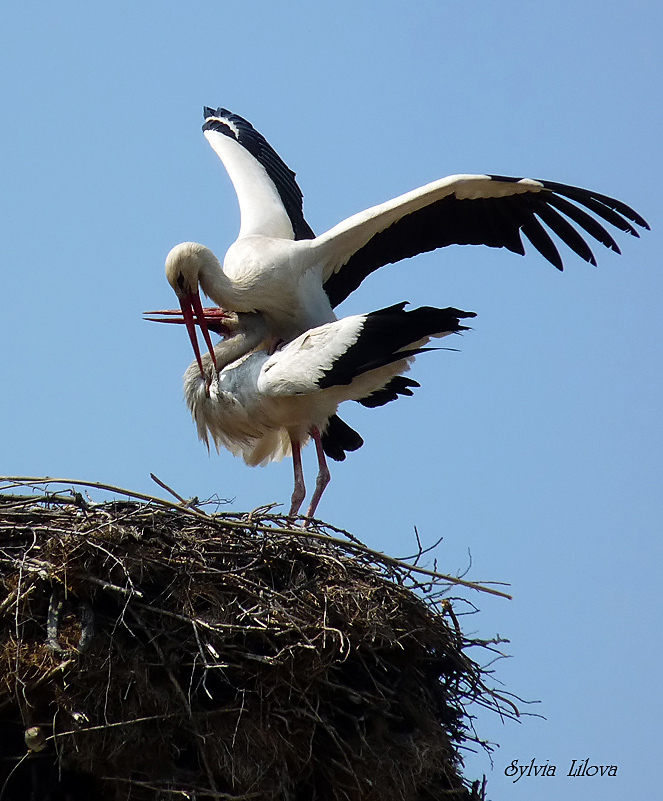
(11, 773)
(105, 726)
(129, 593)
(20, 481)
(16, 501)
(420, 548)
(188, 504)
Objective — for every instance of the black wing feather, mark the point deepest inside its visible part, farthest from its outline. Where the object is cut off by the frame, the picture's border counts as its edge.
(386, 336)
(617, 205)
(601, 209)
(399, 385)
(496, 222)
(584, 220)
(338, 437)
(565, 231)
(540, 238)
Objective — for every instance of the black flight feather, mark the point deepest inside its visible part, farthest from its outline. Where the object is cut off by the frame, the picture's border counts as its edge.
(386, 336)
(338, 437)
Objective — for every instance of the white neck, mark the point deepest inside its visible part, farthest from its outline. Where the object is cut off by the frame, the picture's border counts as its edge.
(215, 283)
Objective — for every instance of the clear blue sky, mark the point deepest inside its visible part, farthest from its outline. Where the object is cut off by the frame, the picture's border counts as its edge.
(536, 447)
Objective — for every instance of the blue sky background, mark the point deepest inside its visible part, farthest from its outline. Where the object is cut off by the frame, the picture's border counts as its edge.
(536, 447)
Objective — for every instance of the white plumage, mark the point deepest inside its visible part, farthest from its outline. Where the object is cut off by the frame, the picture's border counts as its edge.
(263, 406)
(278, 267)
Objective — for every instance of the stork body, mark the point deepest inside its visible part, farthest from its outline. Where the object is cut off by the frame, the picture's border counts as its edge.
(264, 406)
(278, 267)
(260, 274)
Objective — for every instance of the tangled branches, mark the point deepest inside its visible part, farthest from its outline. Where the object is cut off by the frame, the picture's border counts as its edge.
(151, 651)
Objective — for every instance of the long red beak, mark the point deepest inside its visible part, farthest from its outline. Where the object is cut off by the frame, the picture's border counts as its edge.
(214, 317)
(191, 304)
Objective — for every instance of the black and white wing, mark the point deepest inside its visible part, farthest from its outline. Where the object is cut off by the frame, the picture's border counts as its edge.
(335, 354)
(269, 197)
(488, 210)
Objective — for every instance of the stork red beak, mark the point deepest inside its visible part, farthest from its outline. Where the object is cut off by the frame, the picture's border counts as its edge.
(191, 304)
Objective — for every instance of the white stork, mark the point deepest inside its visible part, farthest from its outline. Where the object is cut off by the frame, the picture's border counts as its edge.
(265, 406)
(278, 267)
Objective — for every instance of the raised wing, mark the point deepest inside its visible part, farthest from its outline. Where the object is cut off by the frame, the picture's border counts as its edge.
(488, 210)
(269, 197)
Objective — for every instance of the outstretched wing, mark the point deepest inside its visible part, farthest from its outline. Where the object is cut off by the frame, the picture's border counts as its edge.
(488, 210)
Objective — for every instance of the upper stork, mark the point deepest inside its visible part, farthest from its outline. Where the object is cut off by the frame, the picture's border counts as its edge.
(277, 266)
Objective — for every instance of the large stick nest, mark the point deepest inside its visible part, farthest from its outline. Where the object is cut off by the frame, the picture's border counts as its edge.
(152, 651)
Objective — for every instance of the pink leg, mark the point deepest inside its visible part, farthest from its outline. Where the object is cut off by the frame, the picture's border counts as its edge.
(299, 493)
(324, 476)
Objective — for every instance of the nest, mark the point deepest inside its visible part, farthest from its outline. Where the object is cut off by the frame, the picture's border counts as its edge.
(149, 650)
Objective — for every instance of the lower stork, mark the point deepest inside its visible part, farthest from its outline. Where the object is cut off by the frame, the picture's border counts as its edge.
(263, 406)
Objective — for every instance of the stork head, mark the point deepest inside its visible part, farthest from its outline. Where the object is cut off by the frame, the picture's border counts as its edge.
(184, 265)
